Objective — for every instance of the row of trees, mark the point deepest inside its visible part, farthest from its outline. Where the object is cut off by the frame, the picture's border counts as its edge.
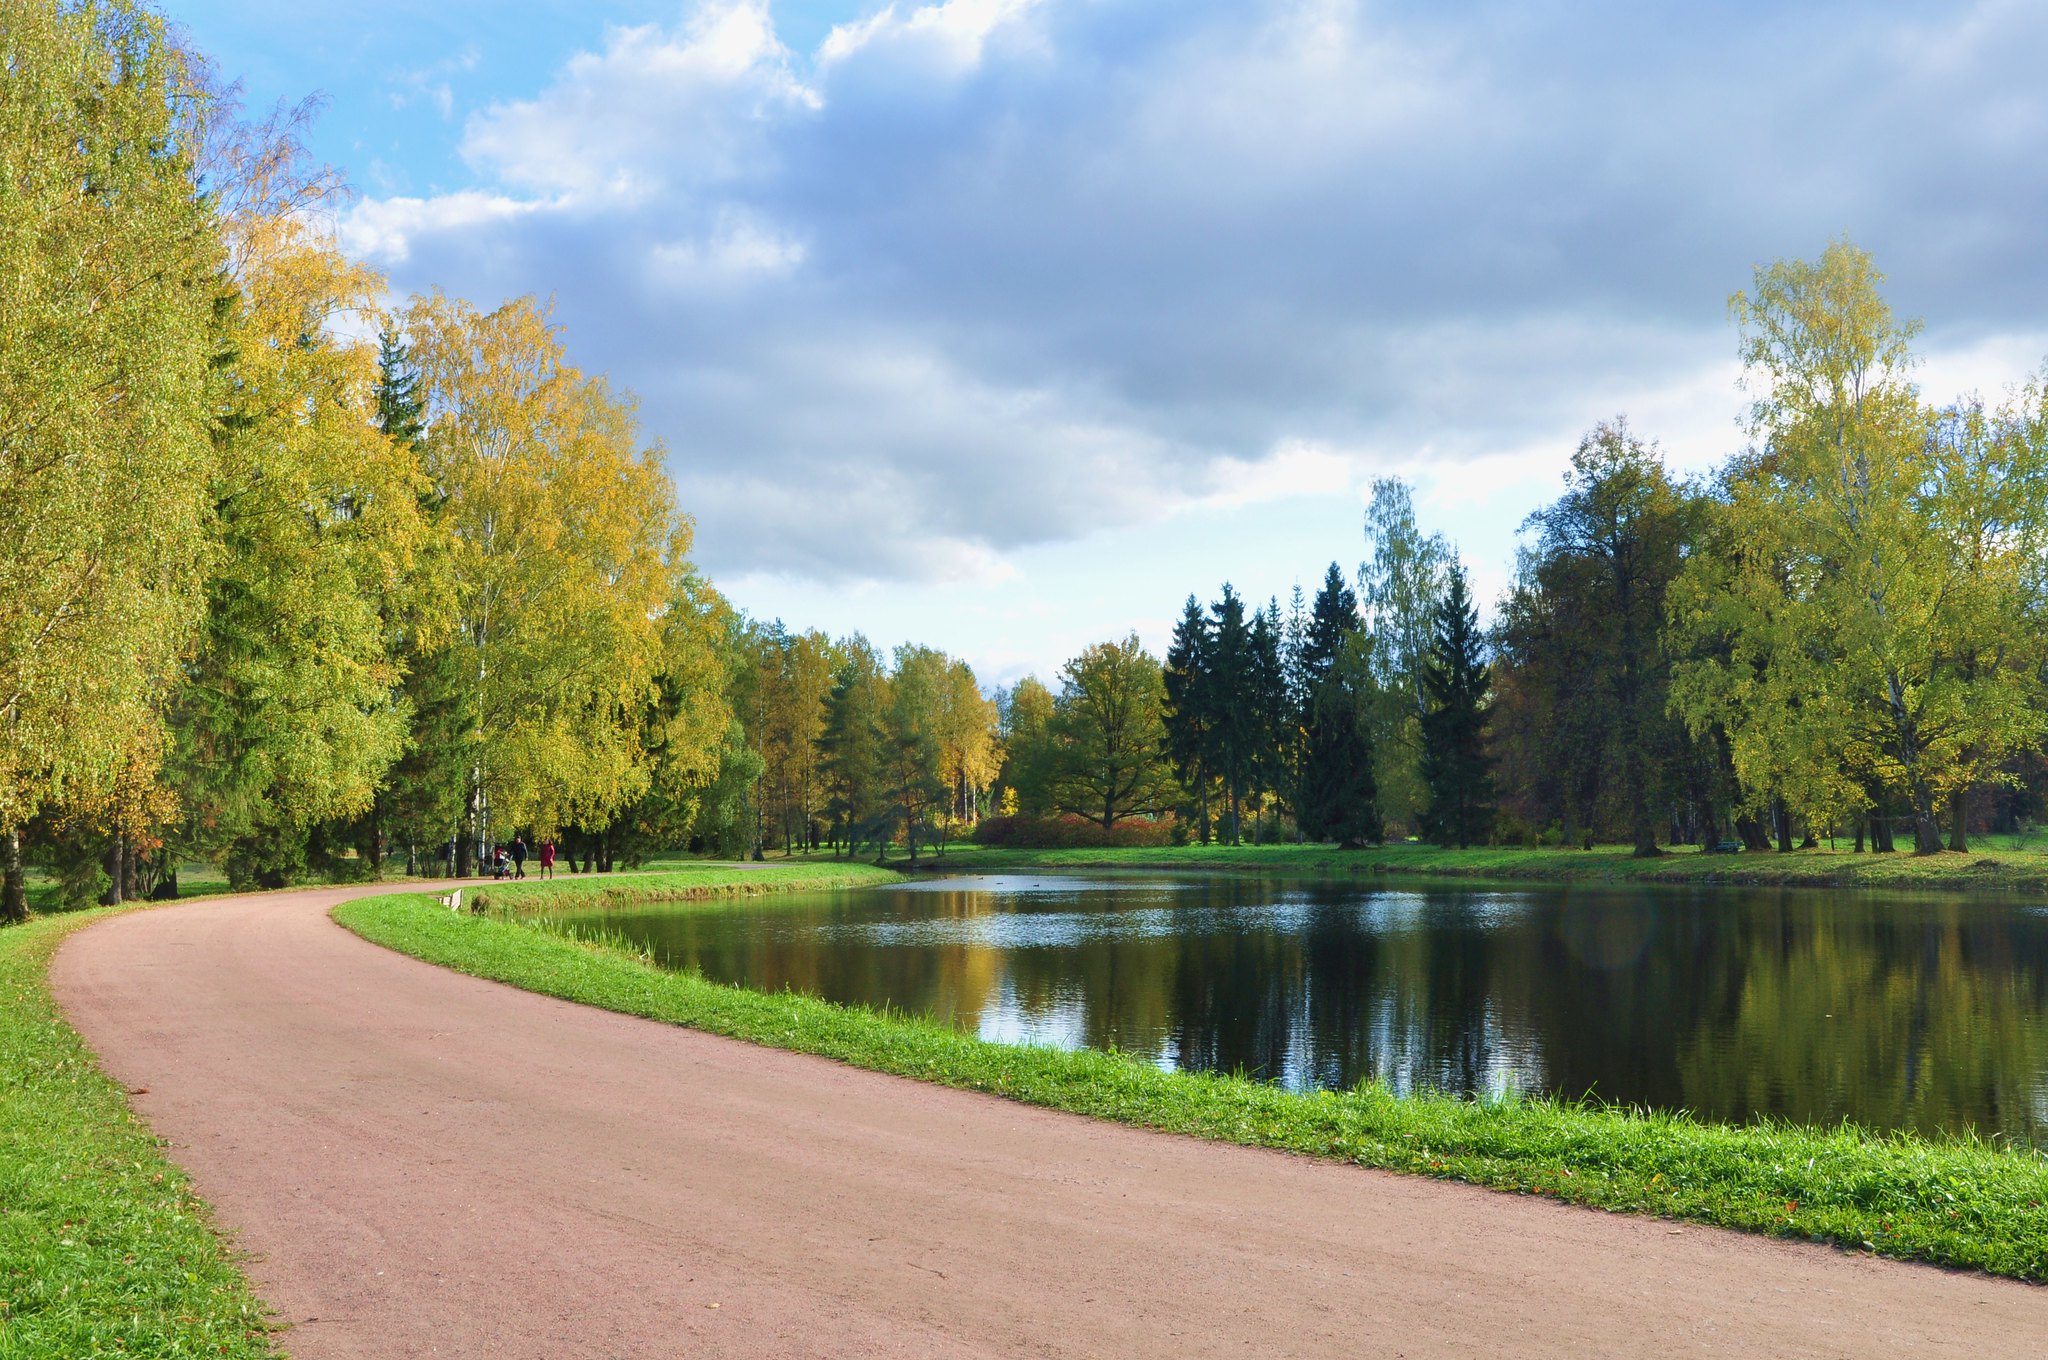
(1841, 632)
(290, 577)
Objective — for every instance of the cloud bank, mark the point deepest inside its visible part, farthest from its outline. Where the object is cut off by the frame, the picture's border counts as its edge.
(982, 275)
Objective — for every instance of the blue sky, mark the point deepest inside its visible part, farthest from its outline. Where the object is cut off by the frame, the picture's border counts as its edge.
(1002, 325)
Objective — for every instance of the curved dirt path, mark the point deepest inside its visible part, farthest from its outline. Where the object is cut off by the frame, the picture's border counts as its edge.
(426, 1164)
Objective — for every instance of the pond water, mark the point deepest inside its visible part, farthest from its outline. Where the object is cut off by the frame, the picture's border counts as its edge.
(1895, 1012)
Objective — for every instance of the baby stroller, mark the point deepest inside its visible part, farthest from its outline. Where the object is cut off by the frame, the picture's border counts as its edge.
(501, 867)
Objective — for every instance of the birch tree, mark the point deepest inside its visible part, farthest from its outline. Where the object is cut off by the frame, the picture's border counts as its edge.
(562, 534)
(1879, 611)
(108, 262)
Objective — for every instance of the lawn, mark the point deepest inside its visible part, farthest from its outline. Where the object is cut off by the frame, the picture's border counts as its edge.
(2001, 866)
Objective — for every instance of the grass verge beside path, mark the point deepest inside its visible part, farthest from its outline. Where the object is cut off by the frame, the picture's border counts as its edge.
(1953, 1202)
(1989, 870)
(104, 1249)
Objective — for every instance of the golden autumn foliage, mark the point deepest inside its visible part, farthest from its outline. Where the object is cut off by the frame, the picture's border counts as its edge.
(107, 288)
(1868, 627)
(563, 544)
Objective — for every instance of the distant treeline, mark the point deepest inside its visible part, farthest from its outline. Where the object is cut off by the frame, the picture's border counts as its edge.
(1843, 632)
(304, 583)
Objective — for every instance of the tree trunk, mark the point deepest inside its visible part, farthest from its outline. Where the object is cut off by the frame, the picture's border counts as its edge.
(13, 884)
(1926, 834)
(1860, 820)
(1926, 826)
(1958, 820)
(131, 864)
(110, 863)
(1783, 820)
(166, 887)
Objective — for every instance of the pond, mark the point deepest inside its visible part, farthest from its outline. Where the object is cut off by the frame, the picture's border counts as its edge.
(1894, 1012)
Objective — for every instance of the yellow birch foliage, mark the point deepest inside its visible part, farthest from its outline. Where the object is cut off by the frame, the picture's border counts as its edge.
(107, 285)
(558, 523)
(967, 739)
(1875, 601)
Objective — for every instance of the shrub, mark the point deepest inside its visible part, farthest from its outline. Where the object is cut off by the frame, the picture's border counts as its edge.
(1068, 832)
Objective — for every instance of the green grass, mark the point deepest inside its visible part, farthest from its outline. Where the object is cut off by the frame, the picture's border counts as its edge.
(692, 883)
(1992, 869)
(1957, 1202)
(104, 1249)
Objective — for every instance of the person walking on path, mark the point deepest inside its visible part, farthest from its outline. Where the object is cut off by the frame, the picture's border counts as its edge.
(547, 859)
(519, 857)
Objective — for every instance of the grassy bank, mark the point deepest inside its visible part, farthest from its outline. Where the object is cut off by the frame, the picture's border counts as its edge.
(688, 883)
(104, 1250)
(1990, 870)
(1955, 1202)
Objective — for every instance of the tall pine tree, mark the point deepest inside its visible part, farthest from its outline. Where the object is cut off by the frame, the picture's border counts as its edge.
(1272, 753)
(1332, 619)
(1337, 797)
(1456, 769)
(1234, 709)
(1190, 706)
(401, 412)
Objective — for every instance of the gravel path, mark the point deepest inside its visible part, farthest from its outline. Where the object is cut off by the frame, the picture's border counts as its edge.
(424, 1164)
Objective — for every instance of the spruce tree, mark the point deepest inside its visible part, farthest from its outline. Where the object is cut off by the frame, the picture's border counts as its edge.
(1272, 753)
(401, 414)
(1189, 707)
(1233, 703)
(1456, 769)
(1334, 617)
(1338, 799)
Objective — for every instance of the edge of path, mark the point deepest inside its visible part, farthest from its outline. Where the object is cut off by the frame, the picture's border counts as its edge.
(1960, 1203)
(104, 1246)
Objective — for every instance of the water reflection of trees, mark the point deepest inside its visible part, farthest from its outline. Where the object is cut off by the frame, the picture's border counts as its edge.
(1919, 1015)
(1930, 1019)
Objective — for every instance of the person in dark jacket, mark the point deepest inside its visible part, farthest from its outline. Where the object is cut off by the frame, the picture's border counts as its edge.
(519, 857)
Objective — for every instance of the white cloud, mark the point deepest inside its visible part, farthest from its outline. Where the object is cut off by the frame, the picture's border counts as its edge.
(654, 109)
(982, 275)
(1295, 468)
(949, 37)
(381, 230)
(736, 249)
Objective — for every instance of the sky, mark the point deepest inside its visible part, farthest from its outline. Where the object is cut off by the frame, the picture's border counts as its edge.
(1004, 325)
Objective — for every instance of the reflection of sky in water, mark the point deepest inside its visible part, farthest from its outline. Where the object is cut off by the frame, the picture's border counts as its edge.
(1290, 913)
